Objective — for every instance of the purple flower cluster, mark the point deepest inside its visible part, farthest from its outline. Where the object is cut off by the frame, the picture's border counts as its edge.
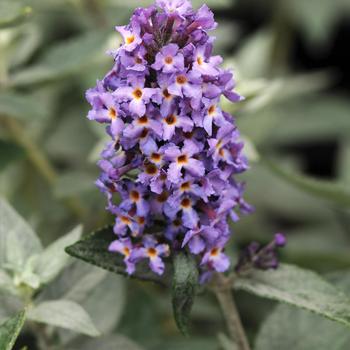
(173, 151)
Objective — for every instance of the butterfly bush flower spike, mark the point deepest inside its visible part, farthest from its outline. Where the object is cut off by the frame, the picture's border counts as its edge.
(168, 171)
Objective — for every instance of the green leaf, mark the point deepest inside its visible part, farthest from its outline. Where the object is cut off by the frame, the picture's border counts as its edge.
(18, 242)
(26, 40)
(21, 106)
(110, 292)
(12, 12)
(94, 250)
(9, 331)
(105, 303)
(63, 59)
(68, 145)
(9, 152)
(334, 192)
(64, 314)
(185, 282)
(94, 289)
(110, 342)
(74, 183)
(53, 259)
(302, 288)
(341, 279)
(289, 328)
(252, 59)
(297, 116)
(317, 19)
(80, 280)
(75, 282)
(344, 161)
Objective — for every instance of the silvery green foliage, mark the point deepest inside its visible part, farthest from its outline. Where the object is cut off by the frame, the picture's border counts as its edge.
(65, 314)
(10, 329)
(18, 242)
(301, 288)
(52, 290)
(275, 332)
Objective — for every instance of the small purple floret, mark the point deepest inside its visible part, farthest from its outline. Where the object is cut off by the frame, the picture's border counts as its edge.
(280, 240)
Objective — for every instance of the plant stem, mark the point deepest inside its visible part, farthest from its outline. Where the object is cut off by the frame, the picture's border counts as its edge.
(40, 161)
(222, 287)
(34, 153)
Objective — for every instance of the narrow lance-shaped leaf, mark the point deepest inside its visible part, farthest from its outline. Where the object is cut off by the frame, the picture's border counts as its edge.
(18, 242)
(94, 250)
(21, 106)
(337, 193)
(9, 331)
(185, 282)
(12, 13)
(301, 288)
(53, 259)
(65, 314)
(291, 328)
(62, 60)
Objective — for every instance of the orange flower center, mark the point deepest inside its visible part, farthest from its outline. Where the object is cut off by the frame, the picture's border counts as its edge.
(151, 252)
(168, 60)
(135, 196)
(181, 79)
(144, 133)
(186, 203)
(170, 120)
(211, 109)
(151, 169)
(141, 220)
(112, 113)
(156, 157)
(185, 186)
(182, 159)
(215, 252)
(137, 93)
(199, 60)
(166, 94)
(130, 39)
(143, 120)
(126, 251)
(125, 220)
(188, 135)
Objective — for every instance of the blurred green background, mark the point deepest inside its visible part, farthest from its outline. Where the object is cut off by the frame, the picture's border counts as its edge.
(291, 62)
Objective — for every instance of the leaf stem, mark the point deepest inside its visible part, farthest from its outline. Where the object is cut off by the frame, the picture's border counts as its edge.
(222, 288)
(40, 161)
